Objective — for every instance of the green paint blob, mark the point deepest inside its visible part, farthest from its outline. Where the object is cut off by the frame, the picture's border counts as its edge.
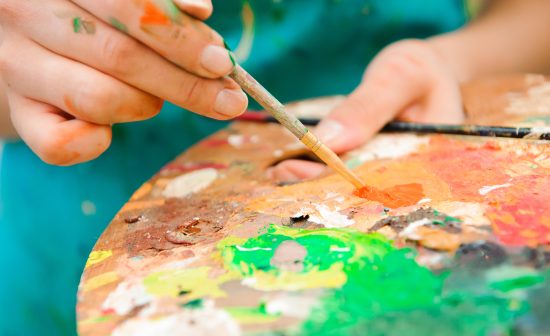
(325, 247)
(230, 52)
(232, 58)
(384, 291)
(76, 25)
(252, 315)
(193, 304)
(172, 11)
(118, 25)
(508, 278)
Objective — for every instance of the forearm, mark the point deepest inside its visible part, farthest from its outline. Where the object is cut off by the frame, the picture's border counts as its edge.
(6, 127)
(511, 36)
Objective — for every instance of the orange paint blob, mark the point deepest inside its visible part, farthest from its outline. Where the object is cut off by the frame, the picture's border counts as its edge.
(394, 197)
(153, 16)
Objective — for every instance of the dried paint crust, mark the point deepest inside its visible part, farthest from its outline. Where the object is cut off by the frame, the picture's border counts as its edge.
(452, 239)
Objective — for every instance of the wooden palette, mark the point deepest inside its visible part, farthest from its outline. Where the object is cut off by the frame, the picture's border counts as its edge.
(210, 246)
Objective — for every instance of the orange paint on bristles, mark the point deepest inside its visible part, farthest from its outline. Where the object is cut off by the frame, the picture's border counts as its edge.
(153, 16)
(394, 197)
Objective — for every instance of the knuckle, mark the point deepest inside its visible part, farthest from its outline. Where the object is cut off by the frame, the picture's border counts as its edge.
(147, 109)
(12, 10)
(192, 93)
(95, 102)
(115, 7)
(116, 51)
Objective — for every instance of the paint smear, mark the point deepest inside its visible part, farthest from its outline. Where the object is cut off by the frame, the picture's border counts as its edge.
(521, 216)
(330, 218)
(153, 16)
(100, 281)
(394, 197)
(206, 320)
(126, 297)
(385, 146)
(190, 183)
(487, 189)
(98, 256)
(321, 258)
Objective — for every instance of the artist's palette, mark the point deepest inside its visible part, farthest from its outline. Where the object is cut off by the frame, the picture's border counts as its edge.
(210, 246)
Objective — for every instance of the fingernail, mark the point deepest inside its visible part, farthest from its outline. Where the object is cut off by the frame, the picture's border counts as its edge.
(216, 60)
(194, 3)
(329, 130)
(230, 103)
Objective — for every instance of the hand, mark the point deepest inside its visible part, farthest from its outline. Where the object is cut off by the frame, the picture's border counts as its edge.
(71, 69)
(409, 80)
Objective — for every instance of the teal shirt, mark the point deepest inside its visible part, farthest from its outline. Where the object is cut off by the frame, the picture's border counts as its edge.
(51, 216)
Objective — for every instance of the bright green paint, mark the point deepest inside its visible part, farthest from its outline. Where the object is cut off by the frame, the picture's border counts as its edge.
(76, 25)
(249, 315)
(325, 247)
(385, 291)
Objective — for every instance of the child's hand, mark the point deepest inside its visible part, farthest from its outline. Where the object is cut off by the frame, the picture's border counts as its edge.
(69, 75)
(408, 80)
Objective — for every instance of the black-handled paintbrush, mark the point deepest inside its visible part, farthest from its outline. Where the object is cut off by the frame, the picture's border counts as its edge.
(531, 133)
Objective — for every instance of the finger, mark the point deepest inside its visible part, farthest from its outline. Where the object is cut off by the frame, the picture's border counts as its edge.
(389, 86)
(200, 9)
(443, 105)
(87, 40)
(54, 138)
(83, 92)
(296, 170)
(160, 24)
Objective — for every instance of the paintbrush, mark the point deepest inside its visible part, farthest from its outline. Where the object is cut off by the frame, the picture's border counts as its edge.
(295, 126)
(531, 133)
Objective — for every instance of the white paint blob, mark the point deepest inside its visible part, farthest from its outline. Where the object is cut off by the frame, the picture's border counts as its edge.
(236, 140)
(535, 101)
(537, 132)
(292, 305)
(204, 321)
(487, 189)
(385, 146)
(330, 218)
(190, 183)
(127, 296)
(410, 232)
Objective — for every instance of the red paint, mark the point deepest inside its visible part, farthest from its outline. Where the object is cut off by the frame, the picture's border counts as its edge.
(394, 197)
(252, 116)
(492, 145)
(520, 214)
(465, 168)
(153, 16)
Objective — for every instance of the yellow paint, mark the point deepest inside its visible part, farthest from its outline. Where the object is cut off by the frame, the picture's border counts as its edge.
(142, 191)
(334, 277)
(195, 280)
(99, 281)
(98, 256)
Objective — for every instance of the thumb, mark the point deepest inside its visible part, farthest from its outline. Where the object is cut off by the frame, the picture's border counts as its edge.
(389, 86)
